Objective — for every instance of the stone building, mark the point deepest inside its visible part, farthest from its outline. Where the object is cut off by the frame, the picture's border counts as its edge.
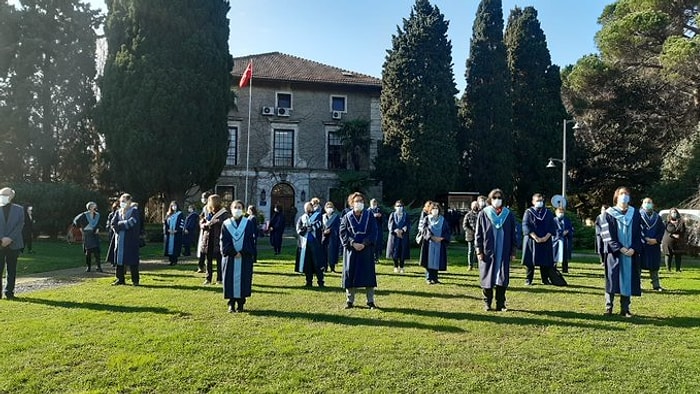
(297, 106)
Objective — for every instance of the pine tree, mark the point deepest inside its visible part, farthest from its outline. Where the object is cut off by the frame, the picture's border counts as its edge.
(485, 109)
(166, 94)
(538, 110)
(419, 115)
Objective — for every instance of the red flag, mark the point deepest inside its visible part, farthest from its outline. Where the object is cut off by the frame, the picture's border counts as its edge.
(247, 75)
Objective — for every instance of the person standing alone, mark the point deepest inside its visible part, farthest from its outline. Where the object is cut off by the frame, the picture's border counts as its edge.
(11, 225)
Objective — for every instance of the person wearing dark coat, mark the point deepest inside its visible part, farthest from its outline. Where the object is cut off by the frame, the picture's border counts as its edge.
(652, 234)
(673, 242)
(563, 240)
(311, 259)
(238, 250)
(190, 230)
(11, 224)
(28, 230)
(469, 227)
(622, 234)
(436, 238)
(173, 227)
(538, 228)
(124, 251)
(357, 235)
(252, 215)
(210, 227)
(495, 248)
(599, 244)
(276, 229)
(89, 224)
(331, 235)
(110, 232)
(376, 212)
(398, 246)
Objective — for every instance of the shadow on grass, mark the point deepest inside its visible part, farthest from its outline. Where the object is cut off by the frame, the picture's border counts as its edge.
(354, 321)
(637, 319)
(300, 287)
(500, 317)
(103, 307)
(425, 294)
(540, 288)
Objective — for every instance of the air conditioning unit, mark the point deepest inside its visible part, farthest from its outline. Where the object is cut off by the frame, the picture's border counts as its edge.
(281, 111)
(337, 115)
(268, 111)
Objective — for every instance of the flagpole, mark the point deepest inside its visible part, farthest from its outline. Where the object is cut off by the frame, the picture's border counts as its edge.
(247, 152)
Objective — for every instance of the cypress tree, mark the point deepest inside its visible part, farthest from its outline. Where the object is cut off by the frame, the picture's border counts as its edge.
(485, 108)
(165, 94)
(419, 115)
(538, 110)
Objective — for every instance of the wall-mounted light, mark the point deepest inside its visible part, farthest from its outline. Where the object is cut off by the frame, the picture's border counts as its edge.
(303, 195)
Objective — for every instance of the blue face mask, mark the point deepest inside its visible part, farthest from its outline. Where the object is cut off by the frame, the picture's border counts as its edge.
(625, 198)
(648, 206)
(539, 204)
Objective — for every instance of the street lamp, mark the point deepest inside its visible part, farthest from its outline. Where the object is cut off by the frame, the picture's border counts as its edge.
(563, 159)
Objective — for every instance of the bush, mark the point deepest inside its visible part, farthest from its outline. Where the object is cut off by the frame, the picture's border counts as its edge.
(56, 204)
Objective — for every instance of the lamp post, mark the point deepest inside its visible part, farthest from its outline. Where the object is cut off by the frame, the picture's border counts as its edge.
(563, 158)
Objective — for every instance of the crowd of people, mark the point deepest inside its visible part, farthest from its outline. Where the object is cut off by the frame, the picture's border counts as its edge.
(628, 240)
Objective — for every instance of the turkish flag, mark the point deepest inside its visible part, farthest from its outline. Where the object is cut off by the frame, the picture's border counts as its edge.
(247, 75)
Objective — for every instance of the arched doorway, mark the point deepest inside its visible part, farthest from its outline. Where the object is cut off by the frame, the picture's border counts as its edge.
(283, 195)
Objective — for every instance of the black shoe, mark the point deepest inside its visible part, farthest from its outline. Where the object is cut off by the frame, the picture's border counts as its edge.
(136, 283)
(10, 296)
(308, 285)
(608, 312)
(501, 308)
(626, 314)
(118, 283)
(487, 308)
(371, 305)
(321, 285)
(348, 305)
(239, 309)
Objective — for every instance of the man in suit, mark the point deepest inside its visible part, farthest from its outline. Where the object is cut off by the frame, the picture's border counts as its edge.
(11, 225)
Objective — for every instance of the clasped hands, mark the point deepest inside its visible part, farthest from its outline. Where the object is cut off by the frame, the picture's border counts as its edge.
(358, 246)
(627, 252)
(6, 241)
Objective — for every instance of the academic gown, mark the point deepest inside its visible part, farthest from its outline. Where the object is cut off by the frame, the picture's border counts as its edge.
(433, 255)
(380, 229)
(540, 222)
(310, 254)
(277, 224)
(124, 250)
(331, 241)
(616, 272)
(91, 241)
(237, 236)
(397, 247)
(172, 243)
(191, 225)
(497, 246)
(567, 240)
(599, 244)
(358, 267)
(652, 227)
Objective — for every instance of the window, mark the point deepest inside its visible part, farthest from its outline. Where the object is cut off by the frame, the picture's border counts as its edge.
(227, 193)
(232, 154)
(284, 100)
(283, 143)
(338, 103)
(336, 156)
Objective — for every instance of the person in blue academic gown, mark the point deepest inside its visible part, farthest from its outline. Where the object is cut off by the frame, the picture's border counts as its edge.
(357, 235)
(599, 244)
(398, 245)
(623, 238)
(331, 235)
(124, 251)
(563, 240)
(238, 250)
(173, 227)
(538, 228)
(495, 248)
(436, 238)
(276, 229)
(89, 224)
(376, 212)
(652, 234)
(311, 259)
(190, 230)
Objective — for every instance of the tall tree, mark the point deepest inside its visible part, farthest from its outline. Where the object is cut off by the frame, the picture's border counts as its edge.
(48, 88)
(538, 110)
(166, 94)
(485, 108)
(419, 115)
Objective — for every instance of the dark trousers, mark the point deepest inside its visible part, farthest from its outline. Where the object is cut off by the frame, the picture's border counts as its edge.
(500, 297)
(173, 259)
(210, 266)
(187, 249)
(88, 257)
(399, 263)
(28, 240)
(121, 271)
(565, 266)
(544, 274)
(431, 274)
(8, 257)
(669, 258)
(240, 301)
(310, 272)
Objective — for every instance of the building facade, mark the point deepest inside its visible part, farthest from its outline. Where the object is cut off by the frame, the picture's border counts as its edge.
(288, 150)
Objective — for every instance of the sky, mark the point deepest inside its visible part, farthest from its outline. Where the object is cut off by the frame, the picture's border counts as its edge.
(355, 34)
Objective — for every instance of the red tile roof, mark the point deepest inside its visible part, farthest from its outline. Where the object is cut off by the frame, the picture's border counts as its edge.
(282, 67)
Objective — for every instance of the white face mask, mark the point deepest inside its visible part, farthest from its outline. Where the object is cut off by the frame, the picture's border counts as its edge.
(329, 211)
(190, 210)
(539, 204)
(398, 209)
(496, 202)
(560, 215)
(358, 206)
(204, 201)
(237, 213)
(435, 212)
(174, 207)
(122, 204)
(4, 200)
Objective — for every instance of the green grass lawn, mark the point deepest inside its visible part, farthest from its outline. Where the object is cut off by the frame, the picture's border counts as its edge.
(173, 335)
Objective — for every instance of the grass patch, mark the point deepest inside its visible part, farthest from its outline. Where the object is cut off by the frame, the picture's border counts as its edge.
(174, 335)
